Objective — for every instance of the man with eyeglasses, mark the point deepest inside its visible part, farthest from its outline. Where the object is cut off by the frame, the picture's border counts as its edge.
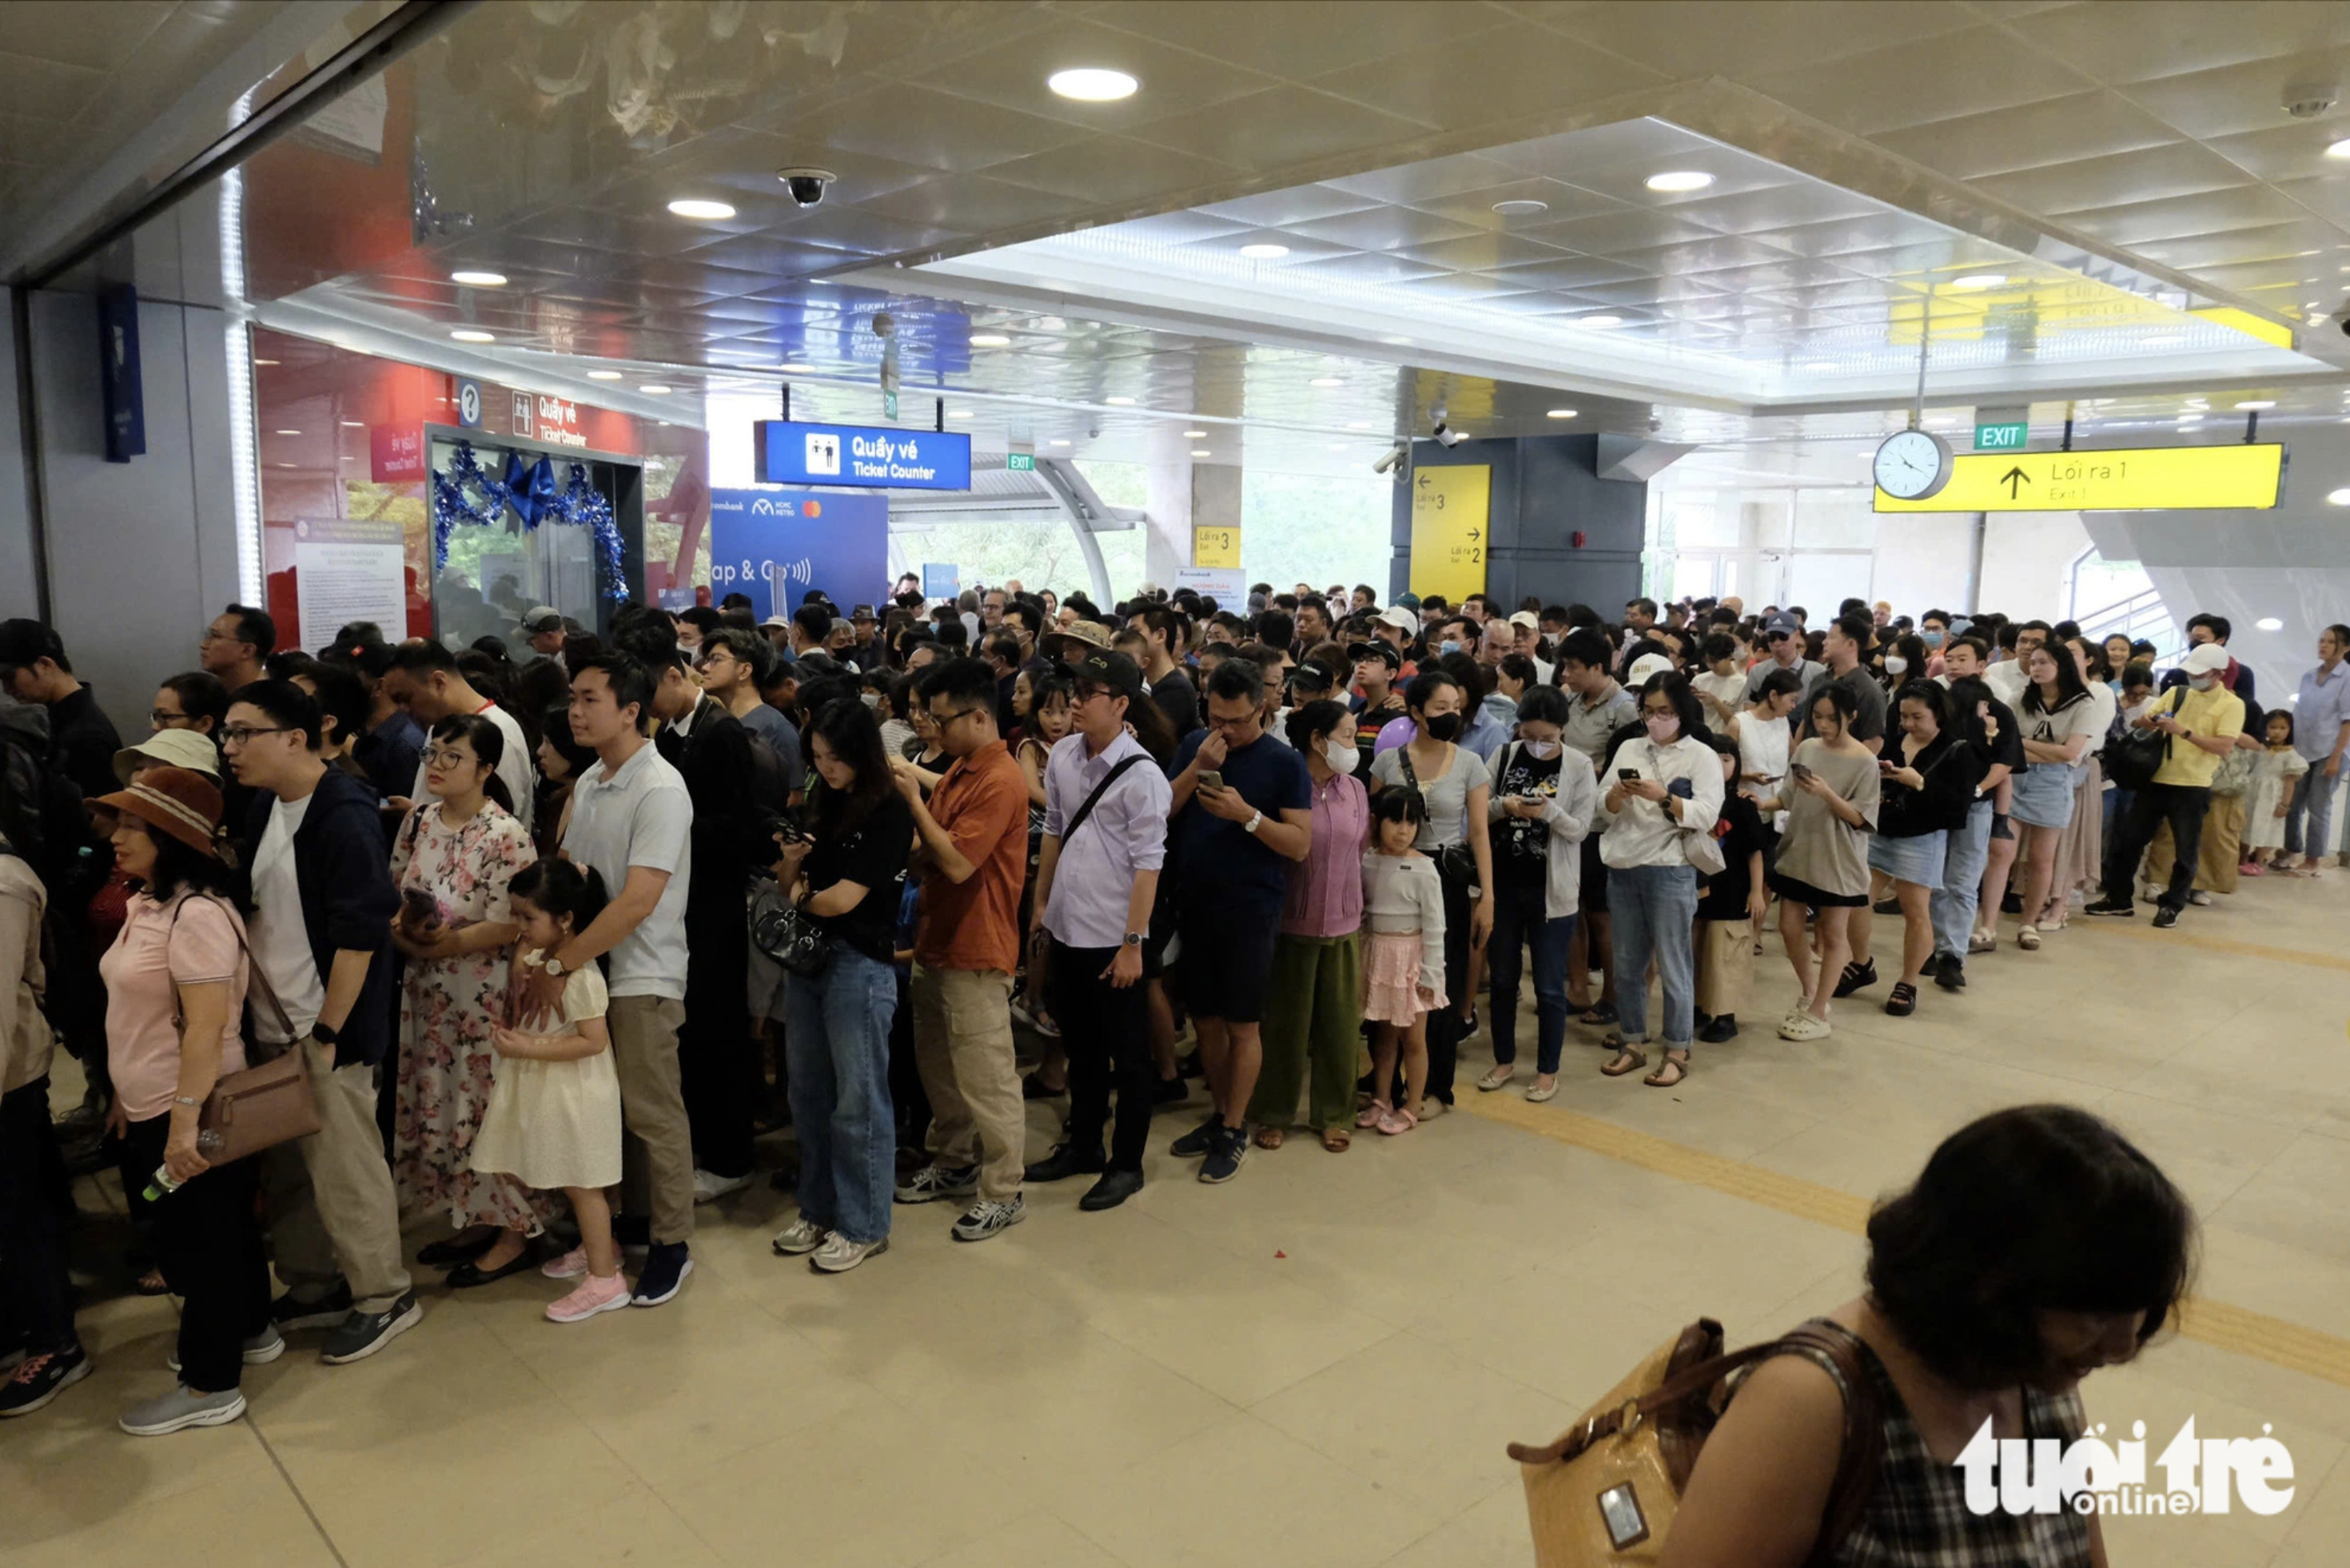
(234, 644)
(972, 860)
(321, 939)
(1097, 879)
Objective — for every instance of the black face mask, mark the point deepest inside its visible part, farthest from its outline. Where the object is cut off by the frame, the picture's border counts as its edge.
(1445, 727)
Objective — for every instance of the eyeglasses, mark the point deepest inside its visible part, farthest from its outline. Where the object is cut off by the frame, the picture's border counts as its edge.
(240, 734)
(946, 720)
(166, 718)
(446, 757)
(209, 635)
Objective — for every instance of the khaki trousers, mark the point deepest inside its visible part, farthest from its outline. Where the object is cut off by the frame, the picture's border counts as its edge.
(963, 1050)
(332, 1214)
(2216, 853)
(656, 1142)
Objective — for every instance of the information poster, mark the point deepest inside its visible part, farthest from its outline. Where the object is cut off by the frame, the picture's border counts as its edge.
(777, 545)
(348, 570)
(941, 580)
(1451, 510)
(1228, 585)
(1216, 544)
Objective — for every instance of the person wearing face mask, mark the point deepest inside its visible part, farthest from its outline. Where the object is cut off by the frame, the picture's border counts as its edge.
(1458, 788)
(2202, 719)
(1903, 660)
(1544, 805)
(1664, 786)
(1314, 1012)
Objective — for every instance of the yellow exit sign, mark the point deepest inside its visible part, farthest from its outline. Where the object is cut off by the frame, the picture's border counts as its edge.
(2135, 479)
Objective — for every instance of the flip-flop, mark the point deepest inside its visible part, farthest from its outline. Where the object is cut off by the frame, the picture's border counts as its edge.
(1639, 1059)
(1337, 1141)
(1657, 1080)
(1598, 1015)
(1270, 1138)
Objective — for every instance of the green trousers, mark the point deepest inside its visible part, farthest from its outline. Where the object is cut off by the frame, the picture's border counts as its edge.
(1314, 1015)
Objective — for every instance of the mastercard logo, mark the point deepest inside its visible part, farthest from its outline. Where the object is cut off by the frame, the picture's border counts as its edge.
(811, 509)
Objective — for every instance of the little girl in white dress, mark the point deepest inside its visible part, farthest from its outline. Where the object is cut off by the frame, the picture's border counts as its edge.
(554, 1118)
(2274, 772)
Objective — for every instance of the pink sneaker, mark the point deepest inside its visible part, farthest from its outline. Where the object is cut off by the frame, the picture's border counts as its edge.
(570, 1266)
(594, 1295)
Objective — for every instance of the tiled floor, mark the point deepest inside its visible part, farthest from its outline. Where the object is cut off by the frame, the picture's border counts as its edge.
(1318, 1364)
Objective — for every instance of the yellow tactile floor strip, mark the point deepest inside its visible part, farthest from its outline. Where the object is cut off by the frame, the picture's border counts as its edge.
(2217, 944)
(2292, 1345)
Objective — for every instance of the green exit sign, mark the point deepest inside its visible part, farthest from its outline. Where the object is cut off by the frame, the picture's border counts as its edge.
(1020, 461)
(889, 405)
(2012, 436)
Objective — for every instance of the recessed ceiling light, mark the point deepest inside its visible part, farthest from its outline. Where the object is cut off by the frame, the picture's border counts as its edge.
(354, 424)
(2269, 623)
(472, 335)
(603, 374)
(1559, 414)
(1597, 323)
(1681, 180)
(697, 207)
(1202, 451)
(797, 369)
(1264, 253)
(2337, 498)
(2340, 149)
(959, 413)
(479, 279)
(2256, 404)
(1195, 435)
(1092, 84)
(1120, 403)
(655, 390)
(1975, 280)
(1326, 381)
(989, 340)
(289, 432)
(1521, 207)
(273, 361)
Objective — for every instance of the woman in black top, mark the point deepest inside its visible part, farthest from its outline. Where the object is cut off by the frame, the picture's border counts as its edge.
(846, 872)
(1928, 782)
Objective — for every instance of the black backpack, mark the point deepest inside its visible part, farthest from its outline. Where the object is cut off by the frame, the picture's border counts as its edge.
(41, 813)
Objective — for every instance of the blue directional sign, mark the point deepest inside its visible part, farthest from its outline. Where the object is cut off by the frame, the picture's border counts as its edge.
(864, 456)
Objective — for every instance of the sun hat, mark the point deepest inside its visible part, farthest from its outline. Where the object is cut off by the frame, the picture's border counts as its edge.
(174, 801)
(188, 749)
(1086, 633)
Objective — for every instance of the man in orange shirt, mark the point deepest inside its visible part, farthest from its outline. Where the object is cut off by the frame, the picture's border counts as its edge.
(972, 859)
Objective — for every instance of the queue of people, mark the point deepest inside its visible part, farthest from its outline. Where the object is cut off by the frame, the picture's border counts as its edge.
(532, 928)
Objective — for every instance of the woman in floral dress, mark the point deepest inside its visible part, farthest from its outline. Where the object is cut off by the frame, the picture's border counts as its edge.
(453, 859)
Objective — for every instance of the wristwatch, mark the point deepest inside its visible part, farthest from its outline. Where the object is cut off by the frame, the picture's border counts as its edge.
(553, 966)
(1131, 940)
(324, 1032)
(1255, 821)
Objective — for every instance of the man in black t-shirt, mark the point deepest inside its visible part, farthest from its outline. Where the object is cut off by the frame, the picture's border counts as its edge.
(1731, 906)
(1994, 743)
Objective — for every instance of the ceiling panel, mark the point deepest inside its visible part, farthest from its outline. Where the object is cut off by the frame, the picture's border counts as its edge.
(1682, 39)
(1298, 41)
(910, 122)
(2233, 99)
(2142, 41)
(2149, 174)
(1971, 71)
(1111, 168)
(1524, 70)
(1285, 125)
(2030, 135)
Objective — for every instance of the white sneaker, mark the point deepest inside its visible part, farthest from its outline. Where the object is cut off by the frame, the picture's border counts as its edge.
(800, 1237)
(709, 1187)
(2199, 898)
(259, 1350)
(839, 1254)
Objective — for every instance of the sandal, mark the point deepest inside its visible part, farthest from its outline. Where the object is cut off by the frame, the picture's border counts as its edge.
(1396, 1122)
(1904, 1000)
(1626, 1060)
(1368, 1116)
(1270, 1139)
(1496, 1077)
(1337, 1141)
(1598, 1014)
(2028, 938)
(1677, 1067)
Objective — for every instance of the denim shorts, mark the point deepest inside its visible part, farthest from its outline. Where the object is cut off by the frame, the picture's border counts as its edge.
(1917, 859)
(2043, 795)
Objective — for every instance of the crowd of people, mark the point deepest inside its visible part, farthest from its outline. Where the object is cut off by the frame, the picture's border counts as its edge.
(557, 926)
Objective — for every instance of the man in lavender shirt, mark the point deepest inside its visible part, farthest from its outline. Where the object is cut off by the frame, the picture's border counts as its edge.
(1097, 878)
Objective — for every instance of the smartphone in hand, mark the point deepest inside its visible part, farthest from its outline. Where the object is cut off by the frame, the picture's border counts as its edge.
(1211, 779)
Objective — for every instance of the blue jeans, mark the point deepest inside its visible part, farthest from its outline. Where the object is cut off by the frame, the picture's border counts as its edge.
(1519, 919)
(1655, 911)
(1953, 903)
(2312, 796)
(836, 1057)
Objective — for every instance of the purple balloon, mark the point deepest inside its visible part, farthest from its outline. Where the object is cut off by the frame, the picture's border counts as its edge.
(1393, 733)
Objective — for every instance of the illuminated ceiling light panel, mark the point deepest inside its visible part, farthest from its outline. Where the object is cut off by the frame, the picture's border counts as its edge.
(1679, 180)
(472, 335)
(704, 211)
(479, 279)
(603, 374)
(989, 340)
(1559, 414)
(1092, 84)
(1264, 253)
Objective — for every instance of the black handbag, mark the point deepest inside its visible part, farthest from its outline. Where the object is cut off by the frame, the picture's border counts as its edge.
(2133, 759)
(790, 935)
(1456, 863)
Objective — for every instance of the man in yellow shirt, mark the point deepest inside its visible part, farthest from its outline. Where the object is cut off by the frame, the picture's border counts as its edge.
(2202, 718)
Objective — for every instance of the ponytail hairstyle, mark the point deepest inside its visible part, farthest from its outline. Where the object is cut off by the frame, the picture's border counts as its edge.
(1312, 724)
(489, 744)
(561, 889)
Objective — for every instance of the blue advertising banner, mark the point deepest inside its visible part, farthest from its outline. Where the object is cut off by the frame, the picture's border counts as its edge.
(941, 582)
(778, 544)
(861, 455)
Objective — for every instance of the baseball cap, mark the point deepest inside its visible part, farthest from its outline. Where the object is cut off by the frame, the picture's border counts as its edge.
(1409, 602)
(170, 748)
(776, 622)
(1647, 664)
(1400, 618)
(1528, 620)
(1376, 649)
(1109, 667)
(1781, 624)
(540, 617)
(2205, 658)
(1313, 676)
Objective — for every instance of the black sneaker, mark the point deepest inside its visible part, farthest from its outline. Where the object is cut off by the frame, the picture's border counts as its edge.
(2117, 908)
(1066, 1160)
(41, 1378)
(2165, 917)
(667, 1264)
(1856, 977)
(1722, 1027)
(2011, 903)
(363, 1334)
(1950, 972)
(327, 1311)
(1223, 1162)
(1199, 1141)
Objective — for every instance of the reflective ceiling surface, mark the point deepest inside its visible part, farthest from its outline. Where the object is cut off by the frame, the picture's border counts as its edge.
(2116, 163)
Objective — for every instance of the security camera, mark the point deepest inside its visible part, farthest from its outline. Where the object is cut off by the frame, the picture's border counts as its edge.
(2310, 98)
(2345, 324)
(1388, 460)
(806, 186)
(1447, 436)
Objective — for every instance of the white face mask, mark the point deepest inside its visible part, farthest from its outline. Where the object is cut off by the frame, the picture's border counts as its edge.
(1894, 664)
(1342, 759)
(2203, 683)
(1542, 751)
(870, 699)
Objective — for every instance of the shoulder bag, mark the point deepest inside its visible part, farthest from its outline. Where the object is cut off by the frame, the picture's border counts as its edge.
(266, 1103)
(1605, 1492)
(2131, 761)
(1457, 862)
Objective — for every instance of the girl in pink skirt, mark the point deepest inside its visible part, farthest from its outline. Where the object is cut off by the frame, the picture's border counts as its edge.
(1403, 956)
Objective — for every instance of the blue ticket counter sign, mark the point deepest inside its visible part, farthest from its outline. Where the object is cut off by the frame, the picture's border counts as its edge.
(861, 456)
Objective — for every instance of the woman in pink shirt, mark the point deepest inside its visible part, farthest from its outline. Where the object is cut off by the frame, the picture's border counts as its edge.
(175, 980)
(1314, 1008)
